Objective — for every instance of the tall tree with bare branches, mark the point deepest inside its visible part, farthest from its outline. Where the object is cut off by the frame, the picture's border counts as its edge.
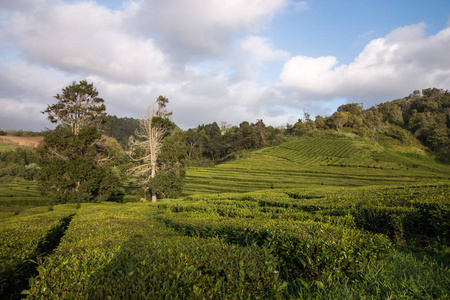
(144, 149)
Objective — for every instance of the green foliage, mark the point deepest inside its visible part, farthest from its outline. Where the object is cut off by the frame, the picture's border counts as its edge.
(71, 169)
(208, 141)
(172, 161)
(26, 133)
(306, 249)
(159, 155)
(78, 106)
(24, 239)
(131, 256)
(313, 233)
(121, 129)
(17, 163)
(318, 243)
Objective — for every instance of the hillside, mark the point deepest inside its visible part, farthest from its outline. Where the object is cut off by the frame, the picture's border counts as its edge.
(316, 160)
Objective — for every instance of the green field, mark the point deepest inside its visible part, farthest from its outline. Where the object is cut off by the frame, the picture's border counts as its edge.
(6, 147)
(316, 161)
(324, 217)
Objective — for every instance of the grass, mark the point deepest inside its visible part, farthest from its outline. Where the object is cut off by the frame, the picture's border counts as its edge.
(6, 147)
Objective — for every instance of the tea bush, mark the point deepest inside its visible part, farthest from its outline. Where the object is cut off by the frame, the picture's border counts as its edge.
(119, 251)
(24, 239)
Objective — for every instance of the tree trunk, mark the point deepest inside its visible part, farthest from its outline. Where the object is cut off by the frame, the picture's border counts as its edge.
(153, 164)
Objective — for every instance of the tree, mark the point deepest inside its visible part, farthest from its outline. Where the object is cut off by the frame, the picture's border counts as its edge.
(193, 142)
(74, 167)
(171, 165)
(159, 153)
(162, 111)
(144, 149)
(340, 118)
(121, 129)
(78, 106)
(374, 121)
(75, 163)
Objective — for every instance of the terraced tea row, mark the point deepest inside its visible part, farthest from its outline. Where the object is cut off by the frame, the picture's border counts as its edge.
(325, 150)
(119, 251)
(315, 161)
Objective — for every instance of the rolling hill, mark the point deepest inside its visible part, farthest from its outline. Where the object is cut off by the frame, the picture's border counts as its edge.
(317, 160)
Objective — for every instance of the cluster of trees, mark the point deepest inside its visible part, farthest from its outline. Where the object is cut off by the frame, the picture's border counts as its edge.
(21, 133)
(221, 143)
(17, 163)
(425, 114)
(77, 163)
(89, 154)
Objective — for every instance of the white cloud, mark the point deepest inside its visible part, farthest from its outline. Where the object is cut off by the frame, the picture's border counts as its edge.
(405, 60)
(197, 28)
(209, 58)
(25, 91)
(87, 38)
(260, 49)
(136, 53)
(314, 75)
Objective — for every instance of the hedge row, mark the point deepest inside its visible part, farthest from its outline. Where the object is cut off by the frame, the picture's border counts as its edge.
(120, 252)
(307, 249)
(250, 209)
(24, 239)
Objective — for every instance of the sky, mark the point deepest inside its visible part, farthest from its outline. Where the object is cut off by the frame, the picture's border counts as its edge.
(215, 60)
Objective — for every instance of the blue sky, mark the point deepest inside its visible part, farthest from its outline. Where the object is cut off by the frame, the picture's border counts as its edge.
(233, 61)
(343, 28)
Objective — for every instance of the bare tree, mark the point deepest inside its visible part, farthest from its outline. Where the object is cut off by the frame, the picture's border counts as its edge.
(148, 140)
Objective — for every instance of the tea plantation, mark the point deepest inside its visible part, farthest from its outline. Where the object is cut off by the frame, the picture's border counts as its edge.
(324, 218)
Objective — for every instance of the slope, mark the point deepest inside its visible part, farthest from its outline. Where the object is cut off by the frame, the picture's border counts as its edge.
(316, 160)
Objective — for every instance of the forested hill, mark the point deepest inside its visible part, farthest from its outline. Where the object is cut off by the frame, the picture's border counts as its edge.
(420, 119)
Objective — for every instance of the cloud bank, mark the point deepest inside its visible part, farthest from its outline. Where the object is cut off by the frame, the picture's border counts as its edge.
(209, 58)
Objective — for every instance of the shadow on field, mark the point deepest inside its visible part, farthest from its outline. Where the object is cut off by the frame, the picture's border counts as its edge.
(14, 279)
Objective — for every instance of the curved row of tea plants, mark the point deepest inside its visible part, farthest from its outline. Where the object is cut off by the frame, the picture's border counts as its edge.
(23, 240)
(312, 232)
(119, 251)
(307, 162)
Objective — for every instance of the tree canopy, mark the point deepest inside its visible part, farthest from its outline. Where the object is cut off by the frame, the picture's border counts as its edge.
(78, 106)
(75, 162)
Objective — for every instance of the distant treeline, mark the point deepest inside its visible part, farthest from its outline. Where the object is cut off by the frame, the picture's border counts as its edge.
(25, 133)
(423, 115)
